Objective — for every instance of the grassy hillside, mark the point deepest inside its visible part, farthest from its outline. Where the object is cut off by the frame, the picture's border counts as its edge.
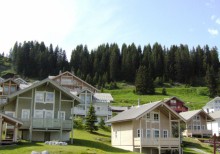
(84, 143)
(195, 97)
(5, 66)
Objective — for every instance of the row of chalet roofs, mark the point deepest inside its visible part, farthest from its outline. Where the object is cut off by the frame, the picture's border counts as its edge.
(156, 127)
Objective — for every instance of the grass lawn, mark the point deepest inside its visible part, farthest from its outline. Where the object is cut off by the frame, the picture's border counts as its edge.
(195, 97)
(84, 143)
(190, 143)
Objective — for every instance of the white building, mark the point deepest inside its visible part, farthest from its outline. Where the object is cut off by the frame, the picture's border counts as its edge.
(215, 125)
(87, 93)
(213, 105)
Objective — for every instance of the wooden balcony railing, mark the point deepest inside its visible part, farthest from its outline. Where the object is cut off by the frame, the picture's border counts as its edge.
(47, 123)
(157, 141)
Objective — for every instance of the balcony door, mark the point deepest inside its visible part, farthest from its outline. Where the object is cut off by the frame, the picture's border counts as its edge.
(43, 118)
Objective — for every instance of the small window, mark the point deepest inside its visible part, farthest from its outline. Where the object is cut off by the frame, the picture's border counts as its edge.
(148, 133)
(173, 102)
(139, 133)
(148, 115)
(10, 113)
(25, 114)
(165, 133)
(203, 127)
(156, 133)
(13, 89)
(49, 97)
(61, 115)
(5, 90)
(156, 117)
(39, 97)
(98, 108)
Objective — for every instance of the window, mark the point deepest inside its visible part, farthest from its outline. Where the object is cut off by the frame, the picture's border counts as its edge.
(44, 97)
(98, 108)
(197, 117)
(61, 115)
(116, 134)
(165, 133)
(10, 113)
(156, 117)
(12, 89)
(25, 114)
(49, 97)
(139, 132)
(156, 133)
(173, 102)
(148, 133)
(5, 90)
(66, 81)
(39, 97)
(203, 127)
(189, 127)
(148, 115)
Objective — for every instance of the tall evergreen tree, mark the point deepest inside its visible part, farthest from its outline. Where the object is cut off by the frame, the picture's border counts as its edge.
(144, 81)
(212, 82)
(91, 119)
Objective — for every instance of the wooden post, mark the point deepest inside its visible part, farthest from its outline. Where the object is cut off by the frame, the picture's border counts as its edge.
(31, 116)
(140, 137)
(1, 125)
(72, 123)
(179, 136)
(214, 144)
(15, 134)
(61, 120)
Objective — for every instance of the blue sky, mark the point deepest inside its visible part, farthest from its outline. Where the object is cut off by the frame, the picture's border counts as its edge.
(68, 23)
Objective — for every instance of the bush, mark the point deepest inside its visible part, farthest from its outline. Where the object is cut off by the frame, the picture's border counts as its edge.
(202, 91)
(102, 123)
(78, 123)
(164, 91)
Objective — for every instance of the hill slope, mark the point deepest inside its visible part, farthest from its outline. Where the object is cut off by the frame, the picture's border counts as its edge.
(195, 97)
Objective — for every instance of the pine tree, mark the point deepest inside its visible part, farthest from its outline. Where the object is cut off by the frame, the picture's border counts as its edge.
(144, 81)
(211, 82)
(91, 119)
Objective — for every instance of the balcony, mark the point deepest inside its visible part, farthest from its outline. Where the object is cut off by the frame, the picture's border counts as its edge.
(190, 132)
(166, 142)
(40, 123)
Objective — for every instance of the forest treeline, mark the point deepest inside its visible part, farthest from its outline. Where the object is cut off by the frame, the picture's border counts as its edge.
(108, 62)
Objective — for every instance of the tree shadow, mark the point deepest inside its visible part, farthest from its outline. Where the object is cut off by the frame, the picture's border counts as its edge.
(97, 145)
(20, 144)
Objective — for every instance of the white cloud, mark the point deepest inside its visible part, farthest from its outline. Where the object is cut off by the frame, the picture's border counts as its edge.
(213, 32)
(213, 17)
(218, 21)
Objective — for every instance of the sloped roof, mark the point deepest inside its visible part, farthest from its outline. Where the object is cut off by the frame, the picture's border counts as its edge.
(20, 80)
(119, 108)
(211, 102)
(215, 115)
(53, 77)
(41, 83)
(137, 112)
(190, 114)
(10, 120)
(10, 79)
(23, 86)
(103, 97)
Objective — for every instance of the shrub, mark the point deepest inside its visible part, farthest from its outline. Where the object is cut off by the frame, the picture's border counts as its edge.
(78, 123)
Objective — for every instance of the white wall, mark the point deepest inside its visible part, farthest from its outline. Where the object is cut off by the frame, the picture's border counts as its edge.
(214, 126)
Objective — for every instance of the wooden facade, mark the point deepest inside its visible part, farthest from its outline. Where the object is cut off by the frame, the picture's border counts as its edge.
(176, 104)
(150, 132)
(45, 110)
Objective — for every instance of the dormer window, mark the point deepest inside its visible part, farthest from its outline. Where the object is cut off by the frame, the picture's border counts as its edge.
(173, 102)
